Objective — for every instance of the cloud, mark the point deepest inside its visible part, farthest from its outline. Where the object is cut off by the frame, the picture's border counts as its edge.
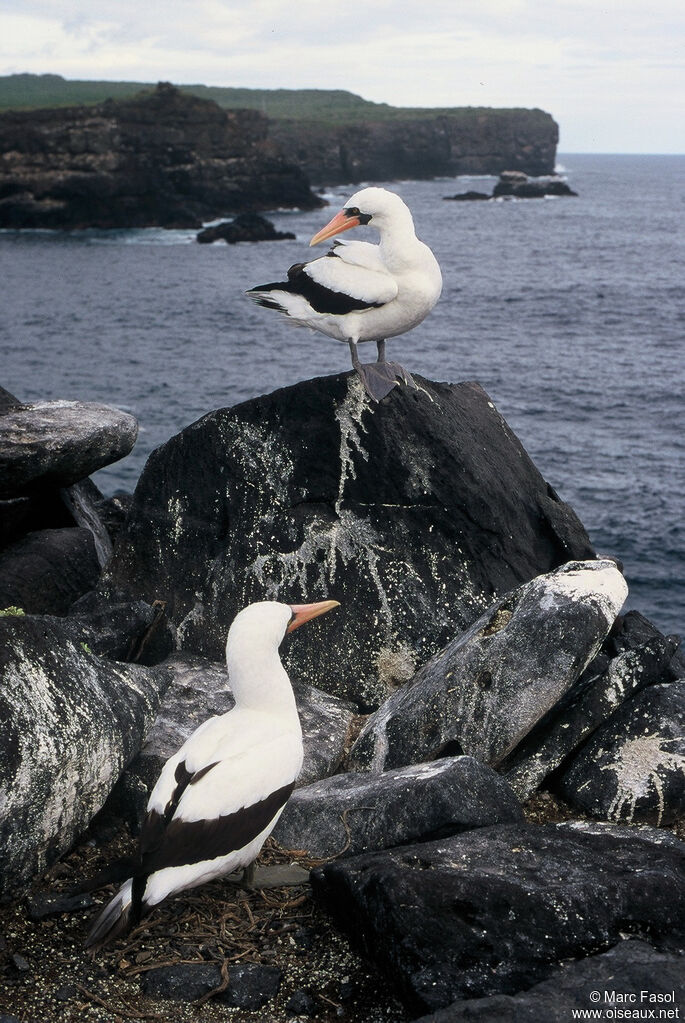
(580, 60)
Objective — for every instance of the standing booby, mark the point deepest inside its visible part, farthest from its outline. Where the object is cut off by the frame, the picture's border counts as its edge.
(218, 799)
(363, 292)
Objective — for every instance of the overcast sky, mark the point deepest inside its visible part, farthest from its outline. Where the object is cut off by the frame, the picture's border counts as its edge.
(611, 72)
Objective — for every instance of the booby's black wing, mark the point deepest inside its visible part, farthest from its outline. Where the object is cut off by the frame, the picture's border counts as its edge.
(320, 298)
(181, 843)
(335, 284)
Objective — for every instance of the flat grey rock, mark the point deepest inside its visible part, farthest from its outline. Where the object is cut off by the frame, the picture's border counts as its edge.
(486, 690)
(352, 813)
(630, 977)
(633, 767)
(494, 910)
(60, 442)
(273, 875)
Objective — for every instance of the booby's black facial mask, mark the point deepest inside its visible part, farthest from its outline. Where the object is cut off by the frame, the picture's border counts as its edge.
(363, 218)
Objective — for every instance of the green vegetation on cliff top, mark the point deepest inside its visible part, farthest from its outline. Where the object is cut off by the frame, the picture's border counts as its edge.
(28, 91)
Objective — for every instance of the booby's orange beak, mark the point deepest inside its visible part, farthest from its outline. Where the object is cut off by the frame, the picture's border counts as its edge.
(305, 612)
(340, 222)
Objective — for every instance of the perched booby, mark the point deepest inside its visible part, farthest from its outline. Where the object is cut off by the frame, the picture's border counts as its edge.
(363, 292)
(218, 799)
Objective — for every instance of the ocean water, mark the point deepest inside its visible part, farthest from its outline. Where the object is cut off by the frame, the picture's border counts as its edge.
(570, 312)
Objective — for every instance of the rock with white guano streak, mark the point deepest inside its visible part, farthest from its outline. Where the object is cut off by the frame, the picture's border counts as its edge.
(414, 513)
(633, 767)
(69, 723)
(555, 739)
(486, 690)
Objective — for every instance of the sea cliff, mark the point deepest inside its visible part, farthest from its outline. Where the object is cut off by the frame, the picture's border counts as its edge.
(167, 157)
(420, 144)
(160, 159)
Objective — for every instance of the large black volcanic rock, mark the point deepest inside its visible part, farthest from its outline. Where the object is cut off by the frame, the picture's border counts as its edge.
(653, 979)
(414, 513)
(162, 158)
(494, 910)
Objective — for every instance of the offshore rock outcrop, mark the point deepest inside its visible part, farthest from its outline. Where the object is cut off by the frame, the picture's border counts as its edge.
(516, 185)
(246, 227)
(467, 140)
(161, 159)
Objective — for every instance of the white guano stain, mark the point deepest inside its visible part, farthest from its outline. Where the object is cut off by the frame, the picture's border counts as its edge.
(348, 416)
(637, 769)
(600, 583)
(328, 544)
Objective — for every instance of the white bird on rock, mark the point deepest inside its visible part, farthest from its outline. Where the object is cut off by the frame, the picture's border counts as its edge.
(363, 292)
(218, 799)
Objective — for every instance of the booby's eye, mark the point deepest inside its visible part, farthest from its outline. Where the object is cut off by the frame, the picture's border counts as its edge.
(354, 211)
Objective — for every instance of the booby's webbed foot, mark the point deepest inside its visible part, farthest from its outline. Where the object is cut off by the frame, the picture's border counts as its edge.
(379, 378)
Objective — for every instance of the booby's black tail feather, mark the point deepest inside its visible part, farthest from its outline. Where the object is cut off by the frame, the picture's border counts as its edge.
(261, 295)
(121, 913)
(114, 920)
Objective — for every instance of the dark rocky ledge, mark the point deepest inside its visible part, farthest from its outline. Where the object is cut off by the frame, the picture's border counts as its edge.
(163, 159)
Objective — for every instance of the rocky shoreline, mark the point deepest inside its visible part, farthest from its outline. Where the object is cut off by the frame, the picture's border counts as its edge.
(480, 660)
(161, 159)
(166, 158)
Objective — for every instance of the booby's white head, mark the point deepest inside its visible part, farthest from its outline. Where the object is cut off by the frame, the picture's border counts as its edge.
(374, 206)
(254, 667)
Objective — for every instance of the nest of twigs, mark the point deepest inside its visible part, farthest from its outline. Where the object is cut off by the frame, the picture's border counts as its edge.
(219, 923)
